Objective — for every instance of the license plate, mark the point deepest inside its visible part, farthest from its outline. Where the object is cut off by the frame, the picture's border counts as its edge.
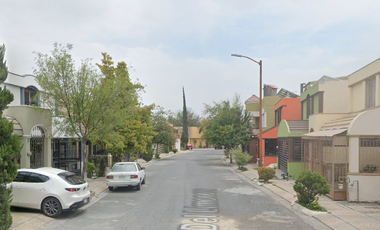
(121, 177)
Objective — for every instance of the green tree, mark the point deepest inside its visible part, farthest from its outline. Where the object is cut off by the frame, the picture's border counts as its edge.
(84, 101)
(227, 124)
(307, 186)
(135, 132)
(185, 131)
(176, 118)
(241, 158)
(10, 147)
(164, 132)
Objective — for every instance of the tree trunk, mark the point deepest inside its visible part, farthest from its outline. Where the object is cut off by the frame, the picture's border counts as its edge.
(85, 158)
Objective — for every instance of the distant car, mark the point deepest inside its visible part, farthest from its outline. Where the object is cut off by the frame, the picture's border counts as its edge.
(218, 146)
(125, 174)
(189, 146)
(50, 190)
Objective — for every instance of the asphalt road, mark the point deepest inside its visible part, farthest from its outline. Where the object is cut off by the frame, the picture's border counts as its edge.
(192, 190)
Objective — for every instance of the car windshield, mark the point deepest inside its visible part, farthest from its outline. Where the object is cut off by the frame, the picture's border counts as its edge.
(124, 168)
(71, 178)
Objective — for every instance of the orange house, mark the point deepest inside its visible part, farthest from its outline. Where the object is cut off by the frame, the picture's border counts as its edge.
(285, 109)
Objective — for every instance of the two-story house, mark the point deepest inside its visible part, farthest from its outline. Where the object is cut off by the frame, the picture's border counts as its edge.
(31, 123)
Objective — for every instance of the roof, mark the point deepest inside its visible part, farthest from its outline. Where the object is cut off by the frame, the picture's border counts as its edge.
(325, 133)
(298, 126)
(283, 93)
(340, 123)
(272, 86)
(252, 99)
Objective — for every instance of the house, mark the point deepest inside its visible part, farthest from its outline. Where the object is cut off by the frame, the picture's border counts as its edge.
(271, 114)
(363, 134)
(325, 104)
(31, 123)
(195, 138)
(289, 129)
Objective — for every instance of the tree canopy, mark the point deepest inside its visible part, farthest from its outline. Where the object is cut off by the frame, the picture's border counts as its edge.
(135, 131)
(164, 132)
(227, 124)
(85, 101)
(176, 118)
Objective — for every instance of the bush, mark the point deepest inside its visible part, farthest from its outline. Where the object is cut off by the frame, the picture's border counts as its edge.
(370, 168)
(175, 150)
(241, 158)
(102, 167)
(148, 156)
(166, 148)
(90, 169)
(266, 173)
(308, 186)
(157, 156)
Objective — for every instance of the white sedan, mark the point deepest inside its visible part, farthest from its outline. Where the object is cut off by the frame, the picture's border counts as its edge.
(50, 190)
(125, 174)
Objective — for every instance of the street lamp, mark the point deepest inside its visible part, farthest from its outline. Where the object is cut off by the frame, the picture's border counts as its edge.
(261, 104)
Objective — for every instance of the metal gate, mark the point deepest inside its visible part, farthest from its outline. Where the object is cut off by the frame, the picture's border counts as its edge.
(283, 146)
(37, 147)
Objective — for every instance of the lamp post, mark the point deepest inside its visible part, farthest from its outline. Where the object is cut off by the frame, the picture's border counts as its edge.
(260, 63)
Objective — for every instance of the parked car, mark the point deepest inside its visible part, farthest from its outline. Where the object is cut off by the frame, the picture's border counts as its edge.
(125, 174)
(50, 190)
(189, 146)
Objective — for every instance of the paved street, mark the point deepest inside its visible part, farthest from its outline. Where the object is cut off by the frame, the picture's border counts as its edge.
(193, 190)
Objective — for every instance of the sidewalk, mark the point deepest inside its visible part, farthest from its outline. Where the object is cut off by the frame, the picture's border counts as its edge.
(25, 219)
(340, 214)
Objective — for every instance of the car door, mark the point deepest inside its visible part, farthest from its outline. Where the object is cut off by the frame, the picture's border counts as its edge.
(16, 187)
(34, 190)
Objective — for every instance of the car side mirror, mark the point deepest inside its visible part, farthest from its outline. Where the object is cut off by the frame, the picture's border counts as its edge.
(142, 168)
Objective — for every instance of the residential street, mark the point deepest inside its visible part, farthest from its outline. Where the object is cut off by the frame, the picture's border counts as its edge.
(193, 190)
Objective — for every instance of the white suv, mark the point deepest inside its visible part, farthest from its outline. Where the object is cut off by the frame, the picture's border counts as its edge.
(50, 190)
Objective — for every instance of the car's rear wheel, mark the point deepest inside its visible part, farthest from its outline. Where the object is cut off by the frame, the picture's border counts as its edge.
(138, 186)
(110, 188)
(143, 182)
(51, 207)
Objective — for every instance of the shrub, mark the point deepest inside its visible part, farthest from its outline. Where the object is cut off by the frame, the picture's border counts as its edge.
(241, 158)
(370, 168)
(102, 167)
(266, 173)
(308, 186)
(132, 157)
(157, 156)
(174, 150)
(166, 148)
(90, 169)
(148, 155)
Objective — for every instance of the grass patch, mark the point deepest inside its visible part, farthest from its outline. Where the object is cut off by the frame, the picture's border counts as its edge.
(242, 169)
(309, 206)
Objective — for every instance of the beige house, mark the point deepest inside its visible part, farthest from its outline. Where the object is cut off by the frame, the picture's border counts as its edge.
(31, 123)
(343, 146)
(195, 138)
(364, 133)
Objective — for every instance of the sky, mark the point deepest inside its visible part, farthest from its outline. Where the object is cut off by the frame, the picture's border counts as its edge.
(170, 44)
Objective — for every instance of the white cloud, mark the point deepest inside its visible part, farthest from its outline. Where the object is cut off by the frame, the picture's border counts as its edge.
(171, 43)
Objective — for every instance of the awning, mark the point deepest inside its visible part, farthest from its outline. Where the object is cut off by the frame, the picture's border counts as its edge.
(324, 133)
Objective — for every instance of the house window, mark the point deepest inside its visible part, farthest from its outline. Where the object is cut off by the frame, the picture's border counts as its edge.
(320, 107)
(30, 94)
(278, 116)
(370, 91)
(264, 122)
(309, 105)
